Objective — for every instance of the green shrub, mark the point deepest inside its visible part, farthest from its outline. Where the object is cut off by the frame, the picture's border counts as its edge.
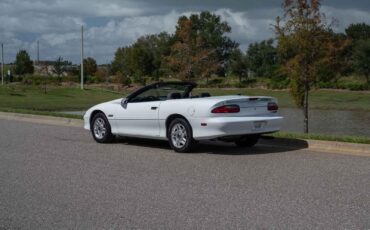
(357, 86)
(327, 85)
(215, 81)
(126, 81)
(212, 82)
(249, 81)
(18, 78)
(93, 79)
(278, 82)
(40, 80)
(71, 78)
(354, 86)
(138, 77)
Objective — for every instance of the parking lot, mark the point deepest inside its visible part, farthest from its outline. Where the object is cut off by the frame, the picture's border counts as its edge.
(54, 177)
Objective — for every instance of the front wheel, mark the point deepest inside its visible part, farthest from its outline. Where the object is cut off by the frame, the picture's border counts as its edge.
(100, 129)
(180, 136)
(247, 141)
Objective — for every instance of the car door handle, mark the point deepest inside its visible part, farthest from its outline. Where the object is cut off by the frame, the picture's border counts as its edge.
(154, 108)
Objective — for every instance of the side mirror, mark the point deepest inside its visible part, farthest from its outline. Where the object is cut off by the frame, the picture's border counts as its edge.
(124, 103)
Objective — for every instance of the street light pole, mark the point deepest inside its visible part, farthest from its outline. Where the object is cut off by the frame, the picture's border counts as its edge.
(2, 64)
(38, 52)
(82, 57)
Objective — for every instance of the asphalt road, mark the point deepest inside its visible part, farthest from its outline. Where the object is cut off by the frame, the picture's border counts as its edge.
(58, 178)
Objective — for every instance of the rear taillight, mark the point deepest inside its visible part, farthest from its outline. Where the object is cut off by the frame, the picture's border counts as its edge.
(227, 109)
(272, 106)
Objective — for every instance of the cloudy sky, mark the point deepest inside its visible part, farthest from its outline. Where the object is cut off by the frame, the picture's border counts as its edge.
(113, 23)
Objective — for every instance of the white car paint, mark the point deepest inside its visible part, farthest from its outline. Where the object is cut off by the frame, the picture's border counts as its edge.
(148, 119)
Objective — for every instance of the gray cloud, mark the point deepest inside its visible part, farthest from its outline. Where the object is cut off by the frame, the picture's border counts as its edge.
(114, 23)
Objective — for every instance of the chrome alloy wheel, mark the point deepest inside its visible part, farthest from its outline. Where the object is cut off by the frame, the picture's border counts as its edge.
(100, 129)
(179, 136)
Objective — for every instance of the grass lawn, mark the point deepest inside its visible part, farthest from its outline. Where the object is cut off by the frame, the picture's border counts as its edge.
(56, 99)
(19, 97)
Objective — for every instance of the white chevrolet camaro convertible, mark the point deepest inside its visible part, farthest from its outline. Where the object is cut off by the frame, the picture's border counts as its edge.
(170, 111)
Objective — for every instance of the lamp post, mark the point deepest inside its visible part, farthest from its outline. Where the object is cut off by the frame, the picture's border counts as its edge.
(2, 64)
(38, 52)
(82, 57)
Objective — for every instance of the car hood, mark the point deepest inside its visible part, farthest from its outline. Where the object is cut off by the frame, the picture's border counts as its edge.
(101, 105)
(115, 101)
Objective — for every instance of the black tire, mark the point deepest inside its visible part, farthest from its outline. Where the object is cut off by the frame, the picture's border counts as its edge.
(101, 129)
(178, 142)
(247, 141)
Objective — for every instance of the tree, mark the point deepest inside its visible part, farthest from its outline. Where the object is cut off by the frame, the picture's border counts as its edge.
(361, 58)
(161, 49)
(90, 66)
(23, 63)
(359, 31)
(119, 61)
(200, 48)
(239, 64)
(213, 31)
(303, 47)
(59, 66)
(144, 57)
(102, 74)
(262, 58)
(360, 34)
(336, 57)
(190, 51)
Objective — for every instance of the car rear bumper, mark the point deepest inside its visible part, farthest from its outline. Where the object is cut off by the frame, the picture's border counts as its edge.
(215, 127)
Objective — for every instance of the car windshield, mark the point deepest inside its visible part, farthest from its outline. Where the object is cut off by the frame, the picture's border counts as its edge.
(161, 92)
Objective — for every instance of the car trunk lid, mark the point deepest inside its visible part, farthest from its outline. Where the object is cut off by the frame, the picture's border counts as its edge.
(249, 106)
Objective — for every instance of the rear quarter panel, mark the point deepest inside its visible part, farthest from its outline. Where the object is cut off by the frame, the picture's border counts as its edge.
(191, 109)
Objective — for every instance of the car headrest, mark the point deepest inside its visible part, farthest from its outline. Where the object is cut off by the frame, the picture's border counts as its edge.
(205, 95)
(174, 95)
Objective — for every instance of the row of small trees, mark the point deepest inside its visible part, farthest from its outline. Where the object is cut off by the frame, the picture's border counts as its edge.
(24, 65)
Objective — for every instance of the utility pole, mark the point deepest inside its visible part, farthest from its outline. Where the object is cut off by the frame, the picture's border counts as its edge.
(82, 57)
(2, 64)
(38, 52)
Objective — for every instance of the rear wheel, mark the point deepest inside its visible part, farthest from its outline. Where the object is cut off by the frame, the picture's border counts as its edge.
(247, 141)
(180, 135)
(100, 129)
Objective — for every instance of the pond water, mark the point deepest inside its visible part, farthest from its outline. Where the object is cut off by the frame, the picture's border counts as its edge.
(334, 122)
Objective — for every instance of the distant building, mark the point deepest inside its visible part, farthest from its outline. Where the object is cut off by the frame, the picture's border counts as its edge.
(47, 68)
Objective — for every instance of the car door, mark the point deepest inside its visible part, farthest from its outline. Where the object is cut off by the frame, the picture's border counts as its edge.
(139, 117)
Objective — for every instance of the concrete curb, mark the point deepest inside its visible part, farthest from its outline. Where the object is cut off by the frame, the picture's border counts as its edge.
(312, 145)
(320, 146)
(38, 119)
(340, 147)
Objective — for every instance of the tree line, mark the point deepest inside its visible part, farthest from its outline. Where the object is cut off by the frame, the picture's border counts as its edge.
(201, 48)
